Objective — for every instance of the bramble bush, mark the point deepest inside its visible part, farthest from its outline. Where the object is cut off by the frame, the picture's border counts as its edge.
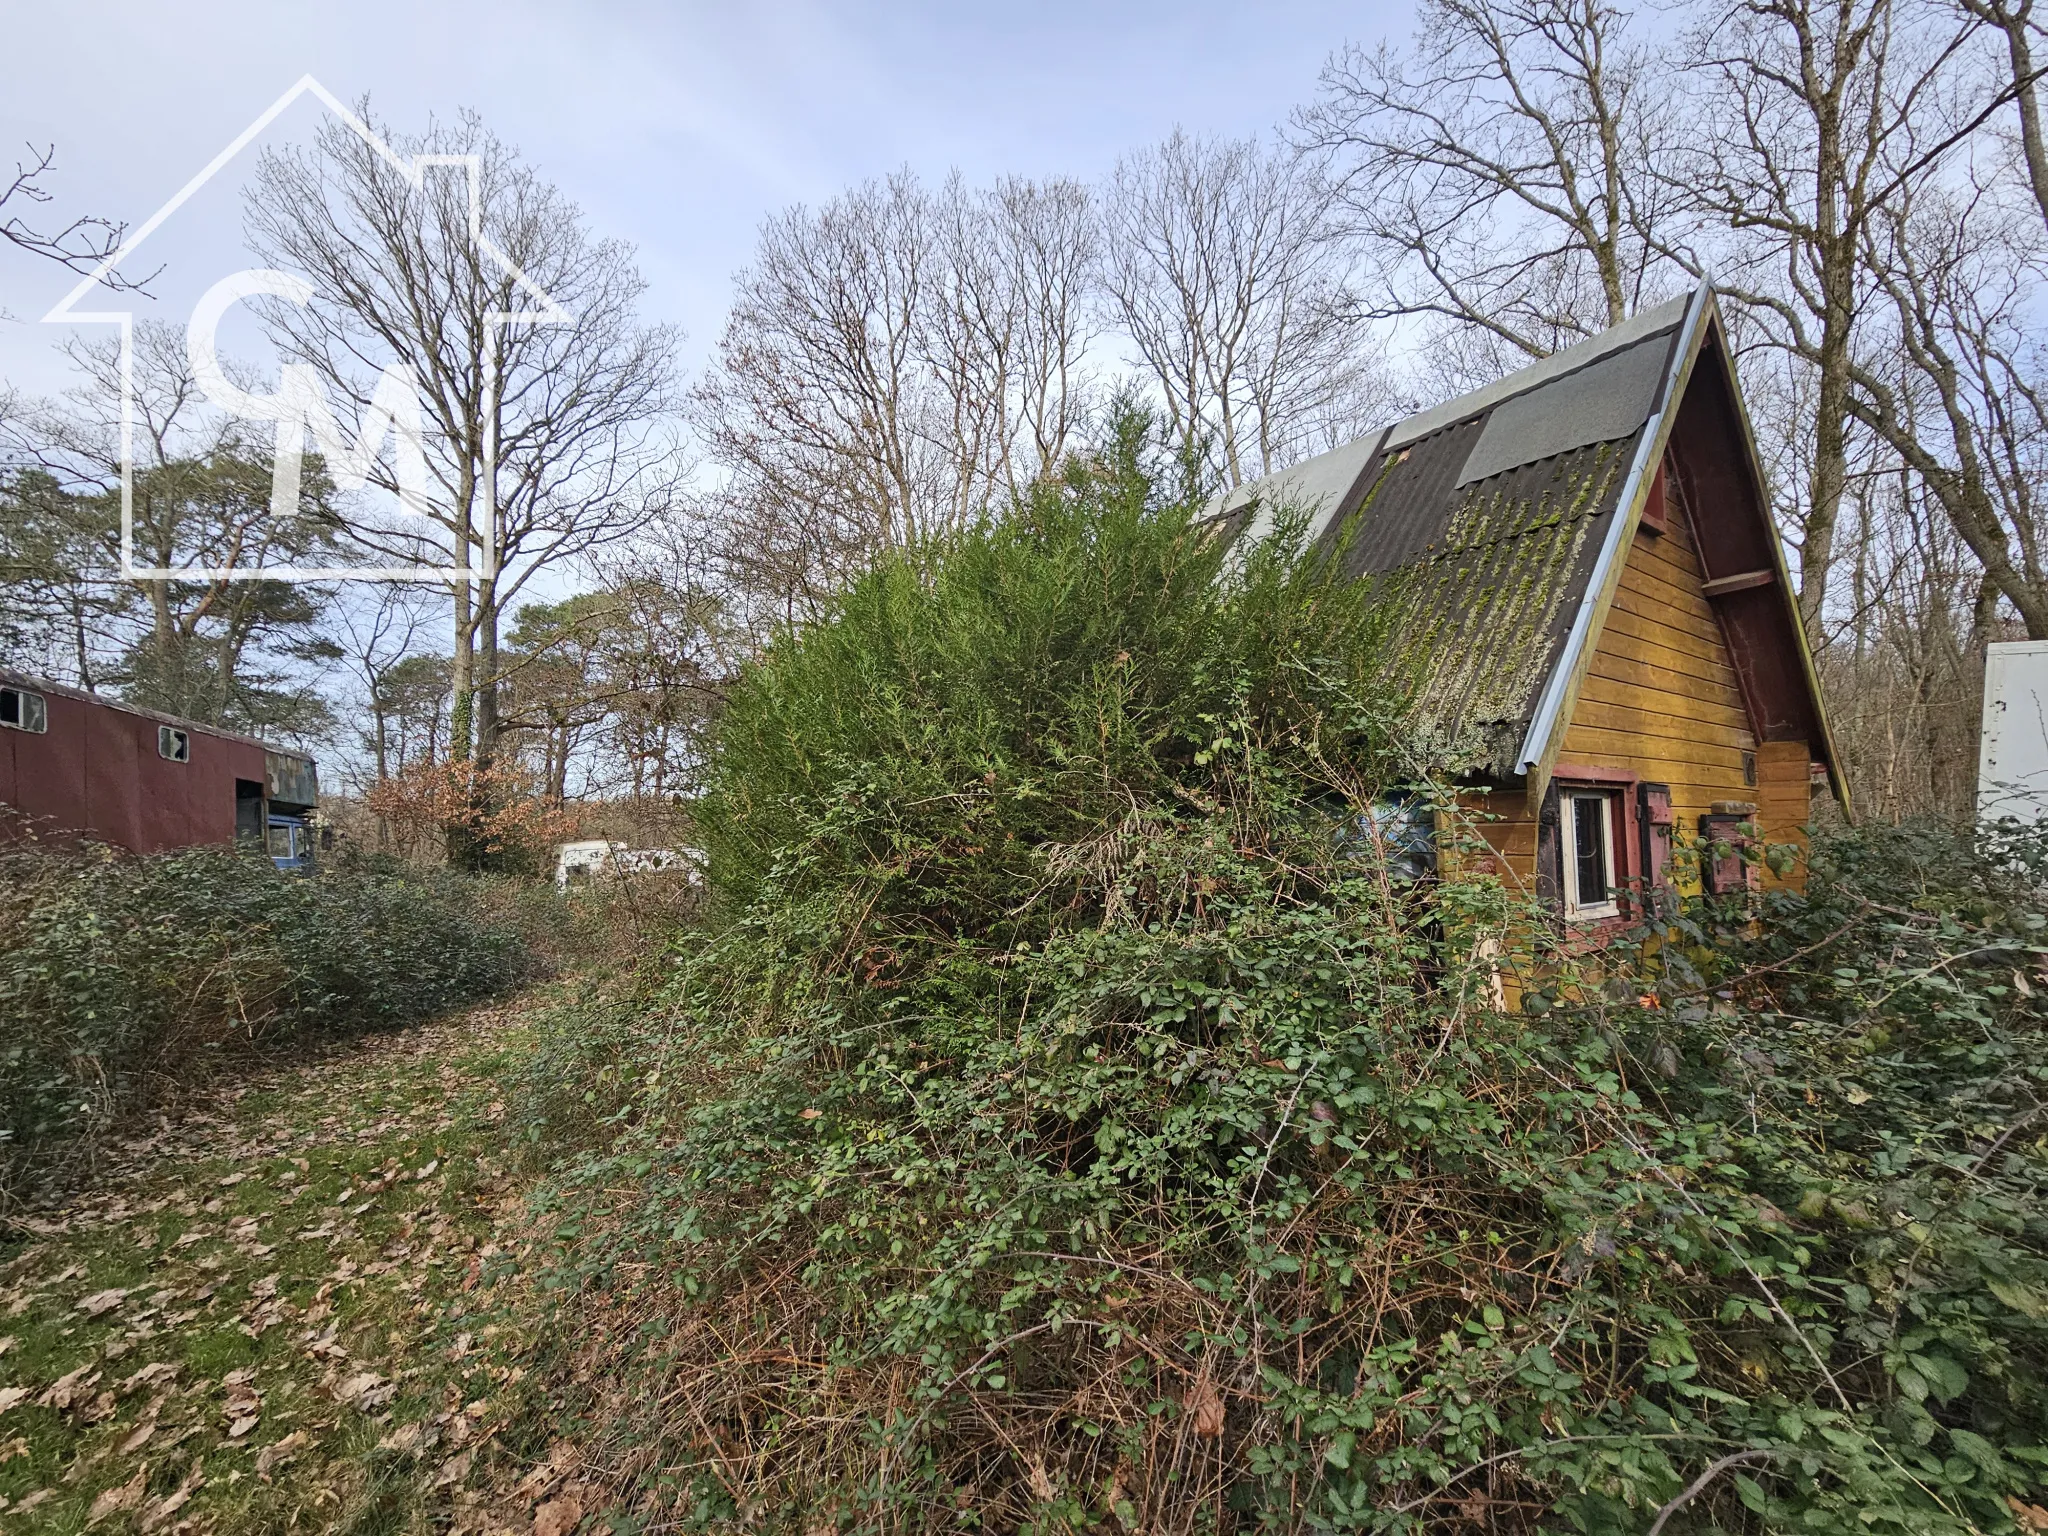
(120, 975)
(1069, 1120)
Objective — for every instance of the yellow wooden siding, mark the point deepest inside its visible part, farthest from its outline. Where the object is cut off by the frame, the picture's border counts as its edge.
(1660, 700)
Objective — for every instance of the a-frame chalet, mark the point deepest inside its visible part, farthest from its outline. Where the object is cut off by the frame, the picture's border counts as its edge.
(1590, 606)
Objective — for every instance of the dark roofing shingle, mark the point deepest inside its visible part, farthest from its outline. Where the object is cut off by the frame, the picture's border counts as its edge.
(1483, 528)
(1479, 620)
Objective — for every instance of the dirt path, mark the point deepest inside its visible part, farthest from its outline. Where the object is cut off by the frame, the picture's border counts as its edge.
(274, 1310)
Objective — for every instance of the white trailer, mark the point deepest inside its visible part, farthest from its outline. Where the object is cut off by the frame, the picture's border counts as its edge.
(2012, 761)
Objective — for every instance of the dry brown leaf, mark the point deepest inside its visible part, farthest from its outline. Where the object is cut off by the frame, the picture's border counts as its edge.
(176, 1500)
(353, 1389)
(101, 1302)
(118, 1501)
(454, 1471)
(2028, 1517)
(557, 1517)
(562, 1457)
(1041, 1482)
(1206, 1405)
(9, 1396)
(69, 1389)
(277, 1454)
(139, 1438)
(411, 1439)
(242, 1426)
(149, 1375)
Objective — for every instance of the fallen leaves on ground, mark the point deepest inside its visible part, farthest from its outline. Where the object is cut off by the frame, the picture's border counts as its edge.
(118, 1500)
(557, 1517)
(271, 1300)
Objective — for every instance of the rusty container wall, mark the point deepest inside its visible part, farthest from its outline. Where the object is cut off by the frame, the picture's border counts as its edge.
(96, 771)
(291, 780)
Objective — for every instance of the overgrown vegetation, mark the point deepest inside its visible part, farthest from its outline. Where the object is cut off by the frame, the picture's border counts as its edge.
(121, 975)
(1071, 1122)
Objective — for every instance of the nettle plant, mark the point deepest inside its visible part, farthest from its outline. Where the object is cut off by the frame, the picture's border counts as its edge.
(1076, 1118)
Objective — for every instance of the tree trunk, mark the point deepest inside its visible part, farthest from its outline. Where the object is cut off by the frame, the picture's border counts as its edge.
(382, 743)
(463, 673)
(484, 677)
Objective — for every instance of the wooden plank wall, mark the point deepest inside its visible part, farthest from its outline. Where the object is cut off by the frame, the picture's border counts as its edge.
(1660, 700)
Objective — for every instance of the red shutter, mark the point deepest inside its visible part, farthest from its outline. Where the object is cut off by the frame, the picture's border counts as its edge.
(1723, 869)
(1656, 824)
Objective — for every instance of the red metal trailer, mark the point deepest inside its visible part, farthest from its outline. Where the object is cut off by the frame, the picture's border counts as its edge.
(79, 764)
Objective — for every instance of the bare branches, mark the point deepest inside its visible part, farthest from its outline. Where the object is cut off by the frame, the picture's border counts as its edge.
(1224, 274)
(1499, 174)
(1698, 1485)
(893, 362)
(566, 420)
(80, 245)
(1963, 402)
(1811, 110)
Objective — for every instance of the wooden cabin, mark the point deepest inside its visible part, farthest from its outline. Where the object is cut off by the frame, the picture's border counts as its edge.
(1592, 610)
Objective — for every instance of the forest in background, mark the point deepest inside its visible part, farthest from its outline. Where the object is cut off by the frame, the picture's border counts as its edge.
(1865, 180)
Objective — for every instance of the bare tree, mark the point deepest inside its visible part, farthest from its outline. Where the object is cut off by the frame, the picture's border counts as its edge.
(811, 408)
(1222, 273)
(2018, 32)
(1903, 660)
(1050, 253)
(1499, 173)
(893, 363)
(1965, 403)
(1808, 112)
(544, 441)
(376, 633)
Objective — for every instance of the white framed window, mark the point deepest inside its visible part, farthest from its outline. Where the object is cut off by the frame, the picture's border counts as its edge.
(24, 711)
(1590, 873)
(173, 744)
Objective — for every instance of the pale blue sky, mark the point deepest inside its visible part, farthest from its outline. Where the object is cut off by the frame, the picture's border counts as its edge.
(676, 127)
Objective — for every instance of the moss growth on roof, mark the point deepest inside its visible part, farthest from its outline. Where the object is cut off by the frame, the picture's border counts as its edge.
(1478, 624)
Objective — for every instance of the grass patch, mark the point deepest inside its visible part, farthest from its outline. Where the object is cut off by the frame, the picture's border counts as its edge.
(273, 1312)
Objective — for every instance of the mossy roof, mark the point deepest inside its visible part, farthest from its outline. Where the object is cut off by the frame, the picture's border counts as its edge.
(1479, 617)
(1484, 563)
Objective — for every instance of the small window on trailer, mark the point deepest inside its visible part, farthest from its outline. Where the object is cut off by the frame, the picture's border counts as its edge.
(23, 710)
(1590, 836)
(173, 745)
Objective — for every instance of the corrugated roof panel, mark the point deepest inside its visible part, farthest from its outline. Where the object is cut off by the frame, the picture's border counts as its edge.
(1317, 486)
(1664, 318)
(1479, 619)
(1405, 511)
